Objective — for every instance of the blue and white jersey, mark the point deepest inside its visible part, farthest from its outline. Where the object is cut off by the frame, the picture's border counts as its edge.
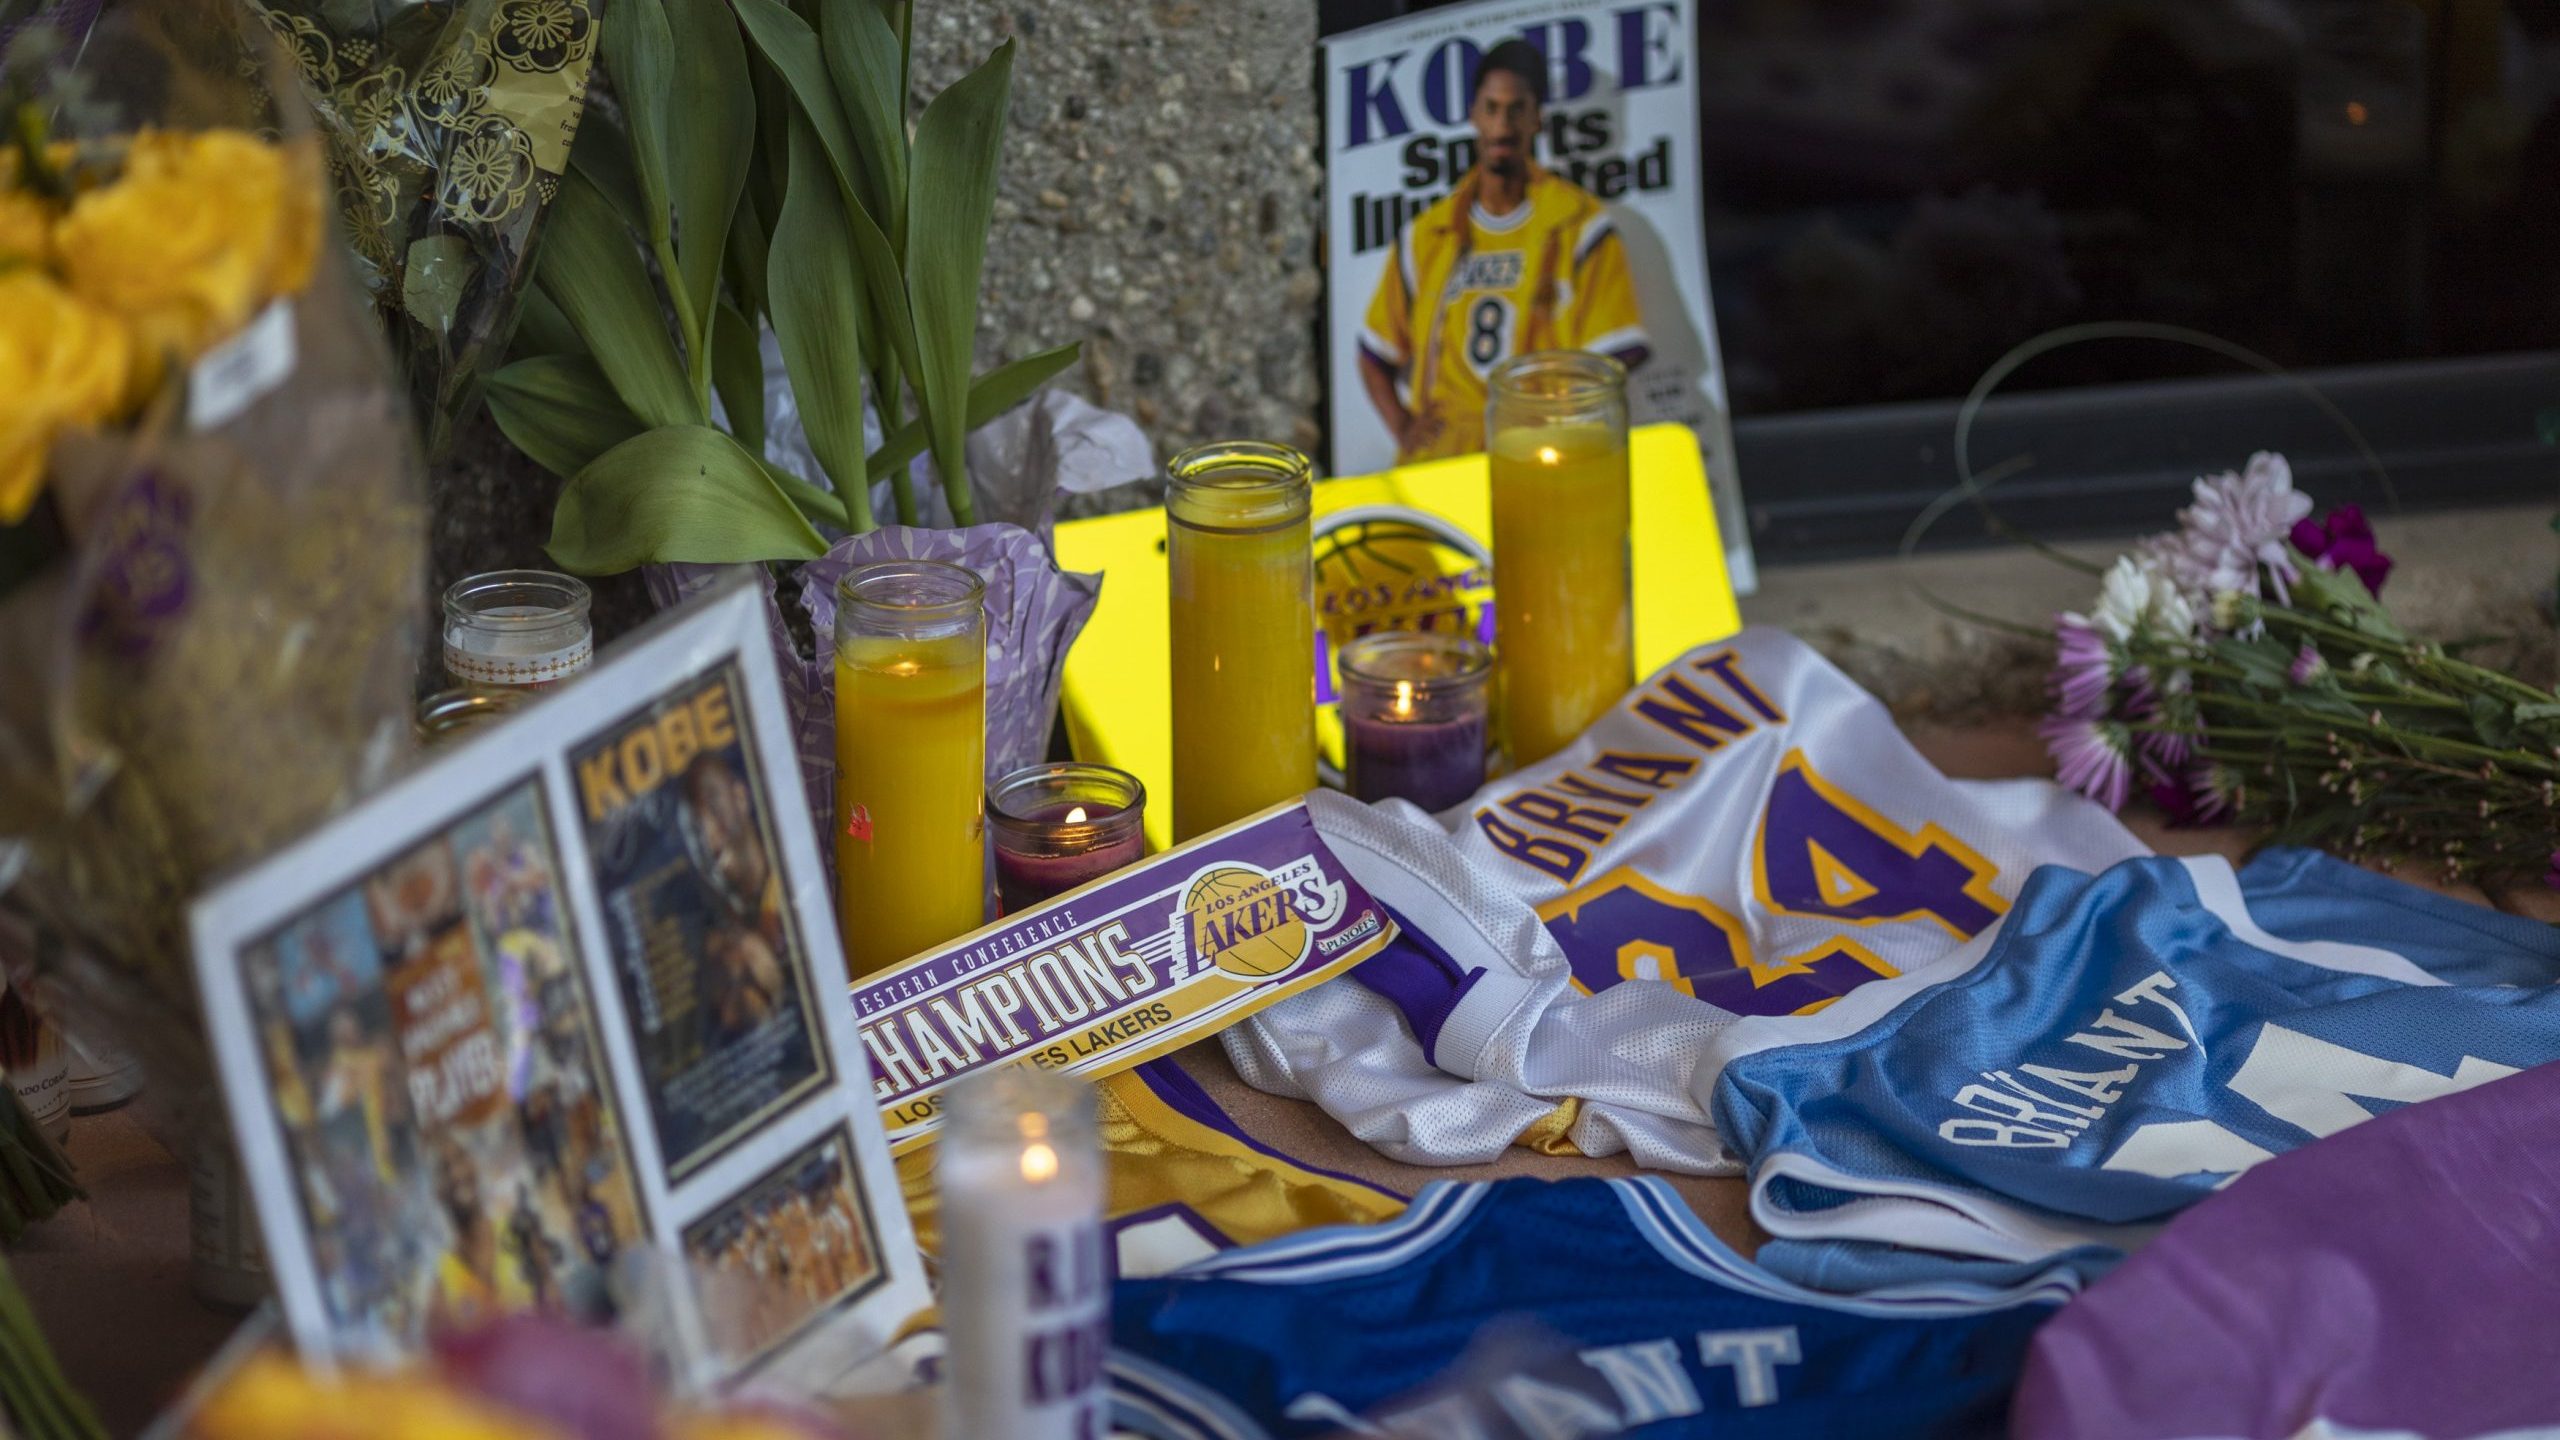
(2123, 1044)
(1628, 1315)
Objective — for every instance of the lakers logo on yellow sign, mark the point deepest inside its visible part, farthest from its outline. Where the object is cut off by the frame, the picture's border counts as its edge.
(1244, 922)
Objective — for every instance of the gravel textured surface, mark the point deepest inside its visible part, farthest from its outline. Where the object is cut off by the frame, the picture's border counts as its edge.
(1159, 202)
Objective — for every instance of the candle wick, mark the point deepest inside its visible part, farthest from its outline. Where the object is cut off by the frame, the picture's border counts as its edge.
(1076, 816)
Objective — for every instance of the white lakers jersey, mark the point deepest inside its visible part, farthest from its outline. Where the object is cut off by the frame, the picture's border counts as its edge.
(1746, 833)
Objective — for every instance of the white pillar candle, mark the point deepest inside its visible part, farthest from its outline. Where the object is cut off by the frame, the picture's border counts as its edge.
(1026, 1293)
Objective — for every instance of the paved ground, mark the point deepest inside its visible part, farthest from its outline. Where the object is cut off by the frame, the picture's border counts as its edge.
(2461, 573)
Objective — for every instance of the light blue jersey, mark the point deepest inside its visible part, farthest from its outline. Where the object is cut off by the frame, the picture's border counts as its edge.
(2120, 1046)
(1623, 1315)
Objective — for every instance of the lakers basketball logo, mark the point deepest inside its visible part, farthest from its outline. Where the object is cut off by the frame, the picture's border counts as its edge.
(1245, 922)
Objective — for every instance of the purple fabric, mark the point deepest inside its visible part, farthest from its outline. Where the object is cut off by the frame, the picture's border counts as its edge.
(1418, 977)
(2394, 1276)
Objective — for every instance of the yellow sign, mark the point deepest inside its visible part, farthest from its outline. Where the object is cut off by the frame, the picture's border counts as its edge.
(1118, 686)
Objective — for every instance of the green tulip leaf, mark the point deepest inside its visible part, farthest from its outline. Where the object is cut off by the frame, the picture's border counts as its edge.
(749, 254)
(737, 372)
(560, 411)
(867, 62)
(542, 329)
(602, 153)
(816, 293)
(679, 493)
(820, 506)
(990, 395)
(951, 191)
(640, 51)
(775, 105)
(713, 142)
(791, 47)
(588, 264)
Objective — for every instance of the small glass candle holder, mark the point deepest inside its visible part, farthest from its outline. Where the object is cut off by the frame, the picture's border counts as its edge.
(448, 715)
(1563, 582)
(1026, 1290)
(1413, 716)
(1060, 826)
(513, 632)
(911, 758)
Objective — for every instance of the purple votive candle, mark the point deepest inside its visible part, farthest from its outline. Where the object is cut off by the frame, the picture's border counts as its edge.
(1060, 826)
(1413, 716)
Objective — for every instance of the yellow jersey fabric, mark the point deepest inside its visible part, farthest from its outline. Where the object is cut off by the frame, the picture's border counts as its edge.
(1184, 1179)
(1465, 290)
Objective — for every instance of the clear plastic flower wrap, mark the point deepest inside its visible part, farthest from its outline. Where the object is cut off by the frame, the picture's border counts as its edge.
(211, 581)
(446, 130)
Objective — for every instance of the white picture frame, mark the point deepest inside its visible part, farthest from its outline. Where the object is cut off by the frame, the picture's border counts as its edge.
(626, 1001)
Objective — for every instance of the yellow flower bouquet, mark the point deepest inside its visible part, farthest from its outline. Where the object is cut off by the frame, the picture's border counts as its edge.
(108, 284)
(212, 524)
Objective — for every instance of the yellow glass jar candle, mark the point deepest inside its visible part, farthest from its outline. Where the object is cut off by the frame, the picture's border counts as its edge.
(911, 758)
(1563, 589)
(1243, 628)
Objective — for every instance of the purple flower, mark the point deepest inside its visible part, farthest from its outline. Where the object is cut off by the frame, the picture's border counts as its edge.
(2159, 752)
(2163, 752)
(2343, 540)
(2308, 665)
(2552, 877)
(2082, 669)
(2197, 797)
(2090, 756)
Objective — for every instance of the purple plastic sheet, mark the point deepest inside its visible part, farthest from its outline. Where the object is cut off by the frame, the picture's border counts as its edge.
(1034, 612)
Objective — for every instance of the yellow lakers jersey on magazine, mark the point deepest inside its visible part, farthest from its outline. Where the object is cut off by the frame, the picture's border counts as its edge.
(1464, 291)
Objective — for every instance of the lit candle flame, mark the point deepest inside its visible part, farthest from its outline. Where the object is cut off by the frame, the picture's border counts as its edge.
(1550, 455)
(1039, 1162)
(1404, 697)
(1076, 816)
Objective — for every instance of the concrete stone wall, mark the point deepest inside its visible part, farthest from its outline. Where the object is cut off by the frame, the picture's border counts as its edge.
(1160, 201)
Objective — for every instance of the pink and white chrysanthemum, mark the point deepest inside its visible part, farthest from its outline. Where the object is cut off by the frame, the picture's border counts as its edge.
(2237, 529)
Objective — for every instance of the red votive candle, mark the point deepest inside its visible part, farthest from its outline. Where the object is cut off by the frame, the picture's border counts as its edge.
(1413, 716)
(1060, 826)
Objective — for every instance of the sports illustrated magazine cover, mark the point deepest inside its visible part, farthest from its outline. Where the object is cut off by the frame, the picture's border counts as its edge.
(1511, 176)
(713, 972)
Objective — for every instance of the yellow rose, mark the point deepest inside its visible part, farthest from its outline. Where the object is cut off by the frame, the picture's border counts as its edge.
(201, 230)
(26, 228)
(63, 364)
(288, 170)
(272, 1398)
